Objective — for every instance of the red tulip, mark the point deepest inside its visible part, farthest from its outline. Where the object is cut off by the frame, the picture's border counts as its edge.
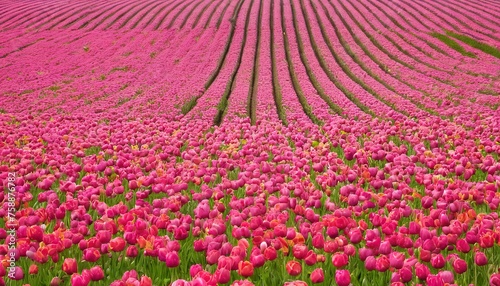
(245, 268)
(293, 268)
(270, 253)
(311, 258)
(343, 277)
(70, 266)
(383, 263)
(56, 281)
(241, 283)
(146, 281)
(33, 269)
(300, 251)
(463, 246)
(35, 233)
(425, 255)
(331, 246)
(117, 244)
(487, 240)
(317, 276)
(318, 241)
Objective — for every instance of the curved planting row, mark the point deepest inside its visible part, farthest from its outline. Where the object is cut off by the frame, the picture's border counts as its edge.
(249, 142)
(109, 15)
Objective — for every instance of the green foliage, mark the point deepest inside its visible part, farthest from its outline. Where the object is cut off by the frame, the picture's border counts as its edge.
(452, 44)
(491, 50)
(188, 105)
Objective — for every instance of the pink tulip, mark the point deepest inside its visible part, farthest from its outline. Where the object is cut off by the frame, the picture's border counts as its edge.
(17, 274)
(340, 260)
(459, 265)
(96, 273)
(422, 271)
(222, 275)
(342, 277)
(437, 261)
(172, 259)
(299, 251)
(396, 259)
(480, 259)
(434, 280)
(495, 279)
(446, 276)
(70, 266)
(91, 254)
(317, 276)
(79, 280)
(370, 263)
(463, 246)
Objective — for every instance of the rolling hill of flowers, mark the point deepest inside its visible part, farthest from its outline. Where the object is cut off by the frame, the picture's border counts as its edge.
(250, 142)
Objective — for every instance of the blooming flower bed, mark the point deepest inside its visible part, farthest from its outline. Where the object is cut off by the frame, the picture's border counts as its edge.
(249, 142)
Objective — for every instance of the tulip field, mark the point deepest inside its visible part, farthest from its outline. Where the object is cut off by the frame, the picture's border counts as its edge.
(250, 142)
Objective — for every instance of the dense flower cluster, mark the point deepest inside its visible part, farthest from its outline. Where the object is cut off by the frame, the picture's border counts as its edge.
(350, 146)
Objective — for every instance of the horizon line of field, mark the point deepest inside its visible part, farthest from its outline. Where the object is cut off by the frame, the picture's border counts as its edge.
(36, 12)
